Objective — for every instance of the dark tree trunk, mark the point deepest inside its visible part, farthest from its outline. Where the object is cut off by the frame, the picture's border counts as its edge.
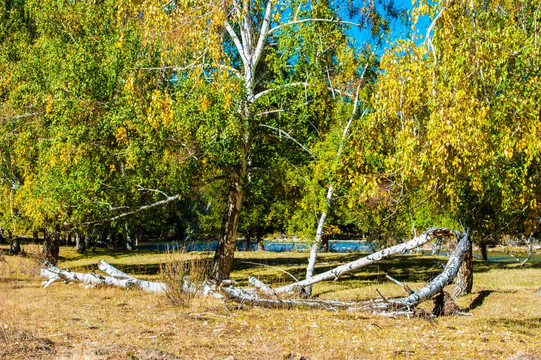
(80, 243)
(63, 239)
(2, 237)
(14, 244)
(248, 239)
(35, 237)
(325, 243)
(464, 280)
(70, 240)
(225, 251)
(259, 238)
(483, 251)
(51, 246)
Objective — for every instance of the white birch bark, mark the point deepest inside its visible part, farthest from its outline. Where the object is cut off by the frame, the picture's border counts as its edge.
(319, 233)
(397, 249)
(315, 246)
(55, 274)
(443, 279)
(118, 278)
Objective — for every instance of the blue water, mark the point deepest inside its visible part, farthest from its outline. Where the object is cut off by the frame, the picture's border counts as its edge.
(334, 246)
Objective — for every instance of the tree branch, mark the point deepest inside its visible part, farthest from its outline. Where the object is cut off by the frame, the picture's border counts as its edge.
(282, 132)
(294, 22)
(305, 84)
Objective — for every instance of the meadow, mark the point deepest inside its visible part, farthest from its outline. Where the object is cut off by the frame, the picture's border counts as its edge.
(68, 321)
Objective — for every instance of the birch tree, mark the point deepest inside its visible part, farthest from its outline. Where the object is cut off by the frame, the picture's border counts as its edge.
(271, 63)
(459, 113)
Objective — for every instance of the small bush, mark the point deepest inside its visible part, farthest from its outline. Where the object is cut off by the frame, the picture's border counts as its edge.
(184, 276)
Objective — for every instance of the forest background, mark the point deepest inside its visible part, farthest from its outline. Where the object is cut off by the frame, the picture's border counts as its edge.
(124, 120)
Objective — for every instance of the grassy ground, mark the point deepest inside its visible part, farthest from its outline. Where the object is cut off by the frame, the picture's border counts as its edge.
(71, 322)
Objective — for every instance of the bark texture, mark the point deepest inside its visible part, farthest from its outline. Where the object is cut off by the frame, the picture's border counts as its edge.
(225, 251)
(14, 246)
(444, 278)
(80, 243)
(51, 246)
(259, 239)
(464, 280)
(444, 305)
(122, 280)
(483, 251)
(118, 278)
(325, 243)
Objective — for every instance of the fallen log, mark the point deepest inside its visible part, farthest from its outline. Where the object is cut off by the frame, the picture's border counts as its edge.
(55, 274)
(150, 286)
(118, 278)
(444, 278)
(385, 306)
(426, 236)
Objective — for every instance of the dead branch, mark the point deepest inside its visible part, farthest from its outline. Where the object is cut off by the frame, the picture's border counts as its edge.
(335, 273)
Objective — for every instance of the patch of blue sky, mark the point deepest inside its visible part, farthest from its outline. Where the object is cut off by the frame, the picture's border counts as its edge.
(400, 29)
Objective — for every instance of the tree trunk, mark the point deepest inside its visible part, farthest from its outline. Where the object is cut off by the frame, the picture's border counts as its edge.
(14, 245)
(35, 237)
(483, 251)
(2, 237)
(259, 238)
(248, 238)
(63, 239)
(51, 246)
(80, 243)
(225, 251)
(88, 240)
(315, 246)
(325, 243)
(129, 239)
(464, 281)
(444, 278)
(437, 247)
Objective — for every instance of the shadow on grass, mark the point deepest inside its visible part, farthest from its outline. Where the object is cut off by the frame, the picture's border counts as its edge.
(478, 301)
(405, 268)
(115, 254)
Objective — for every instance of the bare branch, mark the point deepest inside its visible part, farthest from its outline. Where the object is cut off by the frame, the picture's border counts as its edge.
(305, 84)
(238, 44)
(294, 22)
(140, 188)
(25, 115)
(285, 134)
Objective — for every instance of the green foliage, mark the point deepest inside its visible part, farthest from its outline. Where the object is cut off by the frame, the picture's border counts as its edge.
(458, 116)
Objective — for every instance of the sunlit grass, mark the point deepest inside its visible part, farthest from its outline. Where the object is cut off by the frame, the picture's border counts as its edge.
(110, 323)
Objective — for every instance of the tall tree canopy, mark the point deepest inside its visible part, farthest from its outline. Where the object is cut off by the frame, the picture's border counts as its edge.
(254, 72)
(458, 116)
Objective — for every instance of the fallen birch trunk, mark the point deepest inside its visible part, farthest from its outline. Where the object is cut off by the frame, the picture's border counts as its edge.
(144, 285)
(55, 274)
(118, 278)
(426, 236)
(247, 296)
(443, 279)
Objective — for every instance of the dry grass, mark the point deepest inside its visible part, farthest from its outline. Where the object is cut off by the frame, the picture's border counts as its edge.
(181, 269)
(71, 322)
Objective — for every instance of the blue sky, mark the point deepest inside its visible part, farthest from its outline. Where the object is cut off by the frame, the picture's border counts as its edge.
(400, 31)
